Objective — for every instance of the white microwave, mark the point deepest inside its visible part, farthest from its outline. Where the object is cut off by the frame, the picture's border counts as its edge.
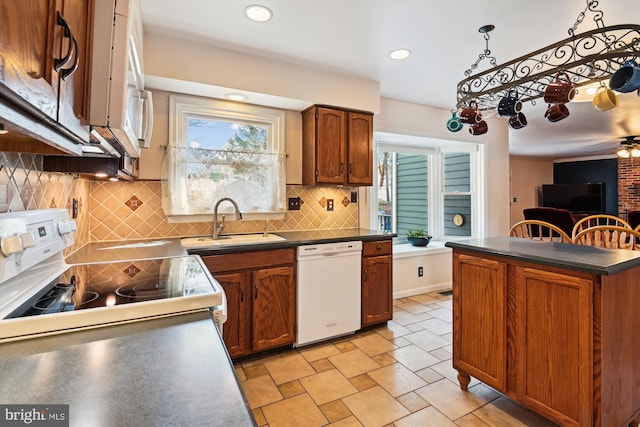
(121, 110)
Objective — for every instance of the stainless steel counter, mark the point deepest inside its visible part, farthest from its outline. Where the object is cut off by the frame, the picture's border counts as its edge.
(169, 371)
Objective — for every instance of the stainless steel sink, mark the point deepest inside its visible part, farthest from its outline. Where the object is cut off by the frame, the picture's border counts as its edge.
(231, 239)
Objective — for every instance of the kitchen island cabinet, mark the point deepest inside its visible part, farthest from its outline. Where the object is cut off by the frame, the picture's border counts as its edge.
(551, 325)
(337, 146)
(261, 298)
(377, 282)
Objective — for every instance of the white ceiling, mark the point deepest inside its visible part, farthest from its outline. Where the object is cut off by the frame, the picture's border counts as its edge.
(354, 37)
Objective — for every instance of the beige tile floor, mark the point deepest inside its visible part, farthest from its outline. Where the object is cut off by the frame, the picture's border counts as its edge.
(399, 374)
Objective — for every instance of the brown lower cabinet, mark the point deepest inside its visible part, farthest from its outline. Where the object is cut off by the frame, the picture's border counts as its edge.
(377, 282)
(260, 288)
(562, 342)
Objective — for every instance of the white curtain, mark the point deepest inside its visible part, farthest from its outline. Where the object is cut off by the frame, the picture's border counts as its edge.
(195, 178)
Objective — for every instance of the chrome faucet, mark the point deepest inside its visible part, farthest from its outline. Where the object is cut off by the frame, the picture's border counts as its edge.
(217, 228)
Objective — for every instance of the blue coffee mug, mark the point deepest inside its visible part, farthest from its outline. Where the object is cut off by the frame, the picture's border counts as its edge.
(454, 124)
(627, 78)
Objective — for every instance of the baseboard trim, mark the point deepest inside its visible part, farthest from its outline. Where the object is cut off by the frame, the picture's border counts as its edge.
(422, 290)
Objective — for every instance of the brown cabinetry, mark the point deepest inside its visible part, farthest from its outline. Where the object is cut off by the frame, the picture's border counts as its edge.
(260, 289)
(557, 340)
(43, 87)
(337, 147)
(377, 282)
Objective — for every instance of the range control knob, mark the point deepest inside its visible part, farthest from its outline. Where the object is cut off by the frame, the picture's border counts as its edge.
(10, 245)
(27, 240)
(66, 227)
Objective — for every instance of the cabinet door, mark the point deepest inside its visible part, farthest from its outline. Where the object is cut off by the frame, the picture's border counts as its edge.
(360, 149)
(27, 53)
(479, 320)
(377, 304)
(331, 146)
(274, 311)
(553, 335)
(236, 331)
(73, 83)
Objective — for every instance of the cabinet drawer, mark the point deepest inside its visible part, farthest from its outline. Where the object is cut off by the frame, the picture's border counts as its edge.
(246, 260)
(381, 247)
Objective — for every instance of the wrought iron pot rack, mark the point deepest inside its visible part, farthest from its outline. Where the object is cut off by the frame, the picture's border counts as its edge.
(589, 57)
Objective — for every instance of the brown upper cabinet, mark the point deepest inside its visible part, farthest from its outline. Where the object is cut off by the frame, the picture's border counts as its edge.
(46, 65)
(337, 146)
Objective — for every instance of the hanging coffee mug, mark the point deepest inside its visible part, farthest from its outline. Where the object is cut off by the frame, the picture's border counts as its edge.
(556, 112)
(454, 124)
(470, 115)
(605, 99)
(479, 128)
(509, 105)
(627, 78)
(517, 121)
(558, 91)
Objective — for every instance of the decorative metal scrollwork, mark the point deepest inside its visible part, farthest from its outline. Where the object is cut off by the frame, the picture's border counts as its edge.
(587, 58)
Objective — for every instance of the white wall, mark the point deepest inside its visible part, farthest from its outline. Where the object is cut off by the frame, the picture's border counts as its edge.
(436, 261)
(527, 175)
(167, 58)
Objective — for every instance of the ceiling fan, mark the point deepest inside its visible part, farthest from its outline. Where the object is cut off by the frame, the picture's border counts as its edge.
(629, 147)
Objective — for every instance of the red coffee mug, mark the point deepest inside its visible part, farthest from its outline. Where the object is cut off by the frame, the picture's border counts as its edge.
(470, 115)
(556, 112)
(558, 91)
(479, 128)
(517, 121)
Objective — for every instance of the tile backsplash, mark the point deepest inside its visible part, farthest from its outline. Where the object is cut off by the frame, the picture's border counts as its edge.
(23, 186)
(133, 210)
(111, 211)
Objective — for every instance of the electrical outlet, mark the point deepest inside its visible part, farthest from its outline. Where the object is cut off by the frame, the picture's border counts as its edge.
(329, 204)
(294, 203)
(354, 197)
(74, 208)
(420, 272)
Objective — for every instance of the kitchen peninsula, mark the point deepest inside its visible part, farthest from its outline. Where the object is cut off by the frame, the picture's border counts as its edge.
(551, 325)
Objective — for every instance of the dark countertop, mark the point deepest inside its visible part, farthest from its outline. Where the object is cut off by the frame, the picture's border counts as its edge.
(583, 258)
(171, 371)
(299, 238)
(163, 248)
(168, 371)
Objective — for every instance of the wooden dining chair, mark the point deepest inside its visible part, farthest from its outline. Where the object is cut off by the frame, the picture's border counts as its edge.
(597, 220)
(609, 237)
(534, 229)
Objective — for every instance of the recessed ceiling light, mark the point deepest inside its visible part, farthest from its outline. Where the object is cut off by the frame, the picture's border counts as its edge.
(101, 175)
(3, 131)
(235, 96)
(258, 13)
(399, 54)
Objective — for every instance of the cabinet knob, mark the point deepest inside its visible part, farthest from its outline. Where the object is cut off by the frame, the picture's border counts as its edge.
(378, 247)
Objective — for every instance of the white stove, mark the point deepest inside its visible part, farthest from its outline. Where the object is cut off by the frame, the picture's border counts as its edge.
(35, 281)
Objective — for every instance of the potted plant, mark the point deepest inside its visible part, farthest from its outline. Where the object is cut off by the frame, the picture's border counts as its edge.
(418, 237)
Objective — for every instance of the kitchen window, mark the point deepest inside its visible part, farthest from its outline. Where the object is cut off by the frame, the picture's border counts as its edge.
(222, 149)
(435, 188)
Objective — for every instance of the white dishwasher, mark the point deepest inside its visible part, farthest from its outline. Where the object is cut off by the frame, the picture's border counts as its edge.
(328, 297)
